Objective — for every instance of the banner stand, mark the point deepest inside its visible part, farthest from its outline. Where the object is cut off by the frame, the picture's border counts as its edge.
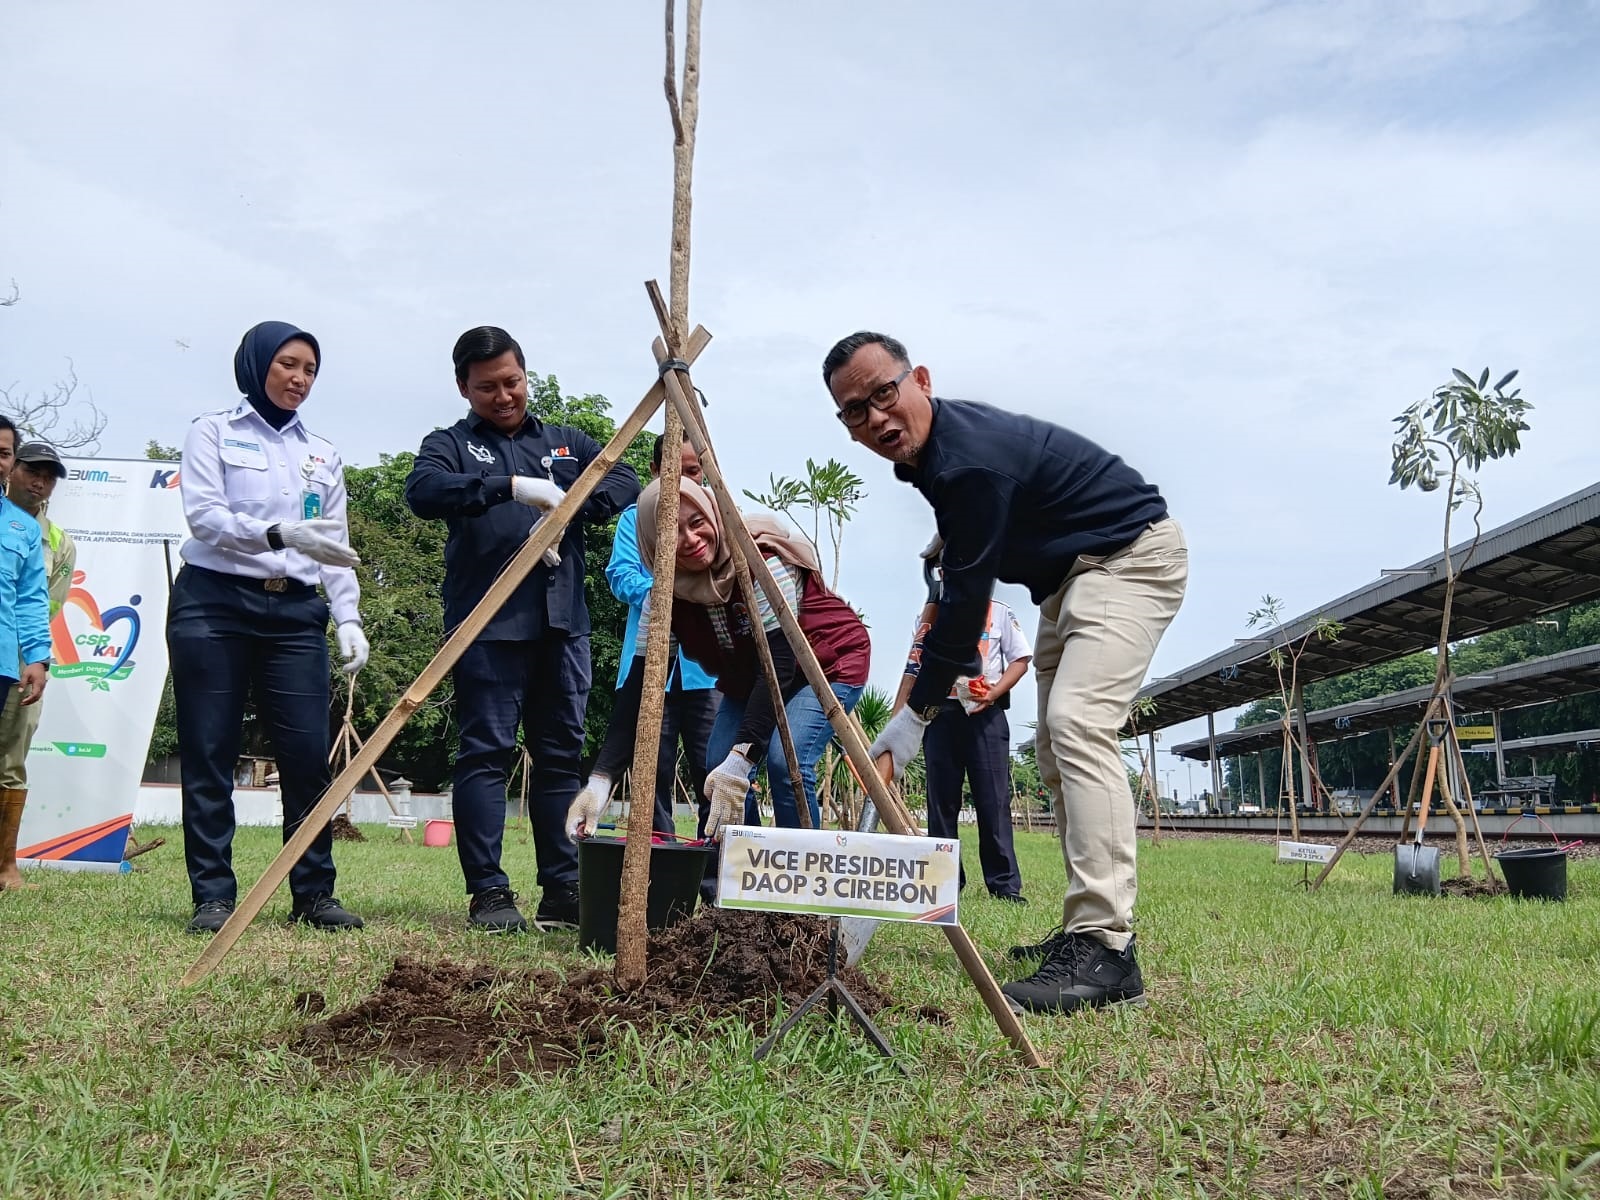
(73, 864)
(834, 989)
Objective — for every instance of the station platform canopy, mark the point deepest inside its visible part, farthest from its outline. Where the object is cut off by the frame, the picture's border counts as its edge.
(1537, 681)
(1539, 563)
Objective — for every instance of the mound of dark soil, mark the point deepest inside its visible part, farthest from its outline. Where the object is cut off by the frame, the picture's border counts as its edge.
(345, 830)
(476, 1018)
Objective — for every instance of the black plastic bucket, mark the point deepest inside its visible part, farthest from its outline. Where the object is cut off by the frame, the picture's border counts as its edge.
(1536, 873)
(675, 874)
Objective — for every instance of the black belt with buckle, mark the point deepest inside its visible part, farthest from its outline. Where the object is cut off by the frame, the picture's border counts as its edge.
(278, 587)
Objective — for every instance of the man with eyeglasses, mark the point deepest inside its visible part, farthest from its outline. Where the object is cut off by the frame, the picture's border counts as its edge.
(1025, 501)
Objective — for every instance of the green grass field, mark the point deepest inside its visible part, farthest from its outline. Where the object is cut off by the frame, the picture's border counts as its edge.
(1349, 1043)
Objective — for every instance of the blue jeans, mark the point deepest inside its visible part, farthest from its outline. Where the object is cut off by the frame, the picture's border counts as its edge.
(809, 728)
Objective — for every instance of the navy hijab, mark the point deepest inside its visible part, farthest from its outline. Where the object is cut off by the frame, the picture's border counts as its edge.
(253, 359)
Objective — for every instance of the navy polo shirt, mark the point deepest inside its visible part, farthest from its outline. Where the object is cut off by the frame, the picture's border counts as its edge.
(463, 477)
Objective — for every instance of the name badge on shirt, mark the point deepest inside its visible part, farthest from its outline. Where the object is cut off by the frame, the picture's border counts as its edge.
(310, 506)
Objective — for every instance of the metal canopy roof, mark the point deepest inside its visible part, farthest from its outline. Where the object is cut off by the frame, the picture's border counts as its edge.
(1536, 681)
(1580, 739)
(1544, 561)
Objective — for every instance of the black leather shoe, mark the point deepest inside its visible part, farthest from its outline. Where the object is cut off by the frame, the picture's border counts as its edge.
(210, 916)
(1039, 949)
(558, 908)
(494, 910)
(1081, 972)
(1010, 897)
(323, 912)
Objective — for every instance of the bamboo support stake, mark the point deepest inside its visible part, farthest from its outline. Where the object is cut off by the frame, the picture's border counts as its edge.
(1472, 809)
(632, 928)
(890, 807)
(1350, 834)
(545, 535)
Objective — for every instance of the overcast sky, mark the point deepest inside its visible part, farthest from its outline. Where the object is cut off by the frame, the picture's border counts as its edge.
(1229, 240)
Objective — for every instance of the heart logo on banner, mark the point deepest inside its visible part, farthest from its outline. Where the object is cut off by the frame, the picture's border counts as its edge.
(110, 617)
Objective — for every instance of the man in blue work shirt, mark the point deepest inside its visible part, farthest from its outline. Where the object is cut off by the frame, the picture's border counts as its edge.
(24, 633)
(691, 703)
(1024, 501)
(492, 476)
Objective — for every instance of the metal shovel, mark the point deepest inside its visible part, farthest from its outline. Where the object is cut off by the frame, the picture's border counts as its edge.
(856, 932)
(1416, 867)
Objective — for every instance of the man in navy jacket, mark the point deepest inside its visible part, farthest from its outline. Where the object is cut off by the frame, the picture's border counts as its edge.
(491, 477)
(1024, 501)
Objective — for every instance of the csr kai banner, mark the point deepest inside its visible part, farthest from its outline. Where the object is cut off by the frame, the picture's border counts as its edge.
(109, 653)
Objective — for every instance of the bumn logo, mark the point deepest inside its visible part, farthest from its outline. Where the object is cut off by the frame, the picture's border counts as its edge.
(93, 475)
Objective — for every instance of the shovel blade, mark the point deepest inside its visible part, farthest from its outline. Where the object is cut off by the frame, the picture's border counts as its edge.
(1416, 870)
(856, 932)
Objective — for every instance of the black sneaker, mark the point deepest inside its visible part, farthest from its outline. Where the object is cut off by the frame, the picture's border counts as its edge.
(558, 908)
(322, 912)
(1081, 972)
(210, 916)
(1010, 897)
(494, 910)
(1040, 949)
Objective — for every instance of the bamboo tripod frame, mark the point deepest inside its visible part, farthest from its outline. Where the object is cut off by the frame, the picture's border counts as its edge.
(346, 746)
(890, 807)
(1439, 708)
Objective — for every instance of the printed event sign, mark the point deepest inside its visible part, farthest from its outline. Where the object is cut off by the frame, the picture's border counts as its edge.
(840, 874)
(109, 661)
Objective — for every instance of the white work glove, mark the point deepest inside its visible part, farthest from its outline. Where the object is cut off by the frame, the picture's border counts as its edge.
(551, 557)
(900, 740)
(934, 548)
(539, 493)
(726, 788)
(583, 815)
(353, 646)
(320, 540)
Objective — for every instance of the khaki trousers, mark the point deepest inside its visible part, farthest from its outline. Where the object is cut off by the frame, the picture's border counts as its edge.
(1097, 635)
(17, 727)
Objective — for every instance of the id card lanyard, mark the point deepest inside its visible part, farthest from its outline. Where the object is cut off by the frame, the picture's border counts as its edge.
(310, 500)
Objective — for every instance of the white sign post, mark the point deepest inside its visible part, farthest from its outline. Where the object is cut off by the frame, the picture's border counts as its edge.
(109, 662)
(835, 873)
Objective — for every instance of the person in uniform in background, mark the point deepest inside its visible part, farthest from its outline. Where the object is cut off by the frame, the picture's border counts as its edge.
(24, 636)
(970, 740)
(710, 621)
(492, 476)
(1021, 500)
(265, 502)
(33, 479)
(691, 701)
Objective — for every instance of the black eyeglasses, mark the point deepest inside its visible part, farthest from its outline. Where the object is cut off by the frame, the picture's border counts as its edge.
(883, 398)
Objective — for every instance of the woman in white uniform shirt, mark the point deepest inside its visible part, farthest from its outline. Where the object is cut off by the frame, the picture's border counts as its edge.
(265, 502)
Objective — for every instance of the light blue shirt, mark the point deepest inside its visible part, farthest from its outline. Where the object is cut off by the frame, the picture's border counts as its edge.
(630, 582)
(24, 594)
(240, 477)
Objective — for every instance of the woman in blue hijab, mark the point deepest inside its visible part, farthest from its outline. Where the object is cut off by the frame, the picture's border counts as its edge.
(265, 501)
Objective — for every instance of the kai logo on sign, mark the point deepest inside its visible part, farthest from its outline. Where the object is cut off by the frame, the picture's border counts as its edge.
(165, 479)
(91, 643)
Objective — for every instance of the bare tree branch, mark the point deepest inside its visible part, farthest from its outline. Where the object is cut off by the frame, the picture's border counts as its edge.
(45, 416)
(16, 294)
